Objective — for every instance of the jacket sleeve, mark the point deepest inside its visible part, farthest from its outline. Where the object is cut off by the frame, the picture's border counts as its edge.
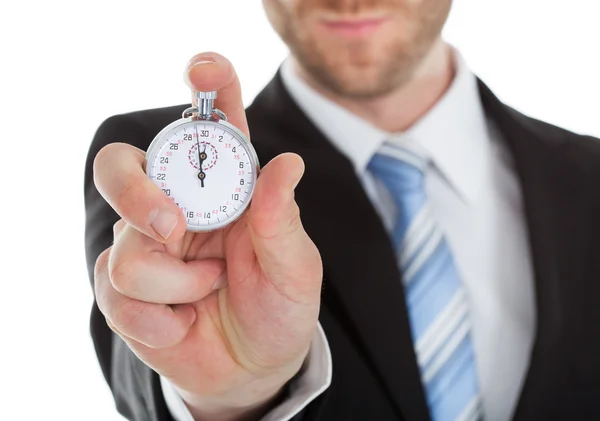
(135, 387)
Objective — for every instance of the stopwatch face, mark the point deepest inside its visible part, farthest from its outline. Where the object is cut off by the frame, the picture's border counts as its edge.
(207, 168)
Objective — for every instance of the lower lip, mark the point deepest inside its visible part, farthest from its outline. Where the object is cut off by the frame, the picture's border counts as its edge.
(353, 28)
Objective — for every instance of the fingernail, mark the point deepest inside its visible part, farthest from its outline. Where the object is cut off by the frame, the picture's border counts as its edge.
(198, 63)
(190, 68)
(221, 281)
(163, 222)
(191, 65)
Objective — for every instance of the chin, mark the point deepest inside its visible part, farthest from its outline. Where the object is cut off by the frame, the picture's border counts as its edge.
(355, 72)
(354, 81)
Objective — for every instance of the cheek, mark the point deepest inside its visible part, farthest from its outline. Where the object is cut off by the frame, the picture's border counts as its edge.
(279, 12)
(285, 4)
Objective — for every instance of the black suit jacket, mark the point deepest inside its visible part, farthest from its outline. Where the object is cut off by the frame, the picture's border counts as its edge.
(375, 375)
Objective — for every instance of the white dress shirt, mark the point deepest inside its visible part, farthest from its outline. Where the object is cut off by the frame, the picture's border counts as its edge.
(476, 199)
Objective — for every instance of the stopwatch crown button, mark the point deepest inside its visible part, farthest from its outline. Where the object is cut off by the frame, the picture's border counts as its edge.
(206, 95)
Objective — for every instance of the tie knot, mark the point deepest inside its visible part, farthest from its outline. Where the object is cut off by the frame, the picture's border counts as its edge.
(399, 168)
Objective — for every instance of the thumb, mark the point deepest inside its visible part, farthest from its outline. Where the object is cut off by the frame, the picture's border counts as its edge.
(287, 256)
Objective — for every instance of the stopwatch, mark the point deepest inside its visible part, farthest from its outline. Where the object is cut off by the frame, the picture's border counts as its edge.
(206, 165)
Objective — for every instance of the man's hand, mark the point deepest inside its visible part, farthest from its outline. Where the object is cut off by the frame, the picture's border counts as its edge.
(226, 316)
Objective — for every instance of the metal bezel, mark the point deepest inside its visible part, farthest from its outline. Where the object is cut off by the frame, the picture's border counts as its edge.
(160, 137)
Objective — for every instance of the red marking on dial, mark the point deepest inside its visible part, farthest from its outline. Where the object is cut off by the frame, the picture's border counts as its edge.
(211, 153)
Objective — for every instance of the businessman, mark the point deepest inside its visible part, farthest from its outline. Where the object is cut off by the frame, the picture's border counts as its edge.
(414, 249)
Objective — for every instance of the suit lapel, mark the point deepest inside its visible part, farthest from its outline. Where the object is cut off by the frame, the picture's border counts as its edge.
(554, 210)
(362, 281)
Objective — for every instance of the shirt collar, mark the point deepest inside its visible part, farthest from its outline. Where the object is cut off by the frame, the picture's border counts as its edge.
(453, 133)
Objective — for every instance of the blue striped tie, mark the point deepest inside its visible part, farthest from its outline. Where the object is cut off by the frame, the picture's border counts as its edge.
(435, 296)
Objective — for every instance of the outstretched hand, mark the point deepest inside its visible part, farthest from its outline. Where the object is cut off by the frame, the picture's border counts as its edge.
(226, 316)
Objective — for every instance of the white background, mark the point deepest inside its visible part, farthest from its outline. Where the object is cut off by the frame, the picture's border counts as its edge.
(66, 66)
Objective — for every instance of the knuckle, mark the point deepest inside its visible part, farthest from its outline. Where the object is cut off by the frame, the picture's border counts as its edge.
(117, 183)
(100, 279)
(123, 276)
(111, 326)
(118, 227)
(294, 221)
(99, 160)
(104, 157)
(101, 263)
(126, 200)
(126, 316)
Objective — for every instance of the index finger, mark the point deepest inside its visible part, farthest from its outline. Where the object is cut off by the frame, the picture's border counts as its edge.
(120, 178)
(210, 71)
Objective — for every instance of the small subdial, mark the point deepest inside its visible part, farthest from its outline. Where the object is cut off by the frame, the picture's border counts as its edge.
(211, 156)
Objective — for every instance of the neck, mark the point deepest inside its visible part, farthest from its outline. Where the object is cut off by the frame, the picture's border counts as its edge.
(400, 109)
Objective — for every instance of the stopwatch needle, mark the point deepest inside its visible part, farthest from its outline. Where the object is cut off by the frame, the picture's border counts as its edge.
(201, 158)
(202, 174)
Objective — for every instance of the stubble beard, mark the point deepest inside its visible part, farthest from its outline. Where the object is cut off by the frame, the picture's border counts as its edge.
(356, 72)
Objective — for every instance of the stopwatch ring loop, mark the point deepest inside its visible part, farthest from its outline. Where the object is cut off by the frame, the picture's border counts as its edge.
(189, 112)
(220, 114)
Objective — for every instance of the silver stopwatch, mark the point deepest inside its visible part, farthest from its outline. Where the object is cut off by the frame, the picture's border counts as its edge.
(206, 165)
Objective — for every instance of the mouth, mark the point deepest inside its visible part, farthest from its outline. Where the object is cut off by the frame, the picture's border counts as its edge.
(353, 27)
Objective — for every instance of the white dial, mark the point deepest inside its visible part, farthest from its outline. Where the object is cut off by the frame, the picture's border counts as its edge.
(207, 168)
